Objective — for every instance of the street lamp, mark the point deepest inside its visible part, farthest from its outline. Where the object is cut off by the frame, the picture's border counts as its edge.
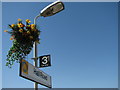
(50, 10)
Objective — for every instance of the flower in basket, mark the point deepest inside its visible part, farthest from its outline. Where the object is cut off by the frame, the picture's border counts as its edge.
(23, 37)
(28, 21)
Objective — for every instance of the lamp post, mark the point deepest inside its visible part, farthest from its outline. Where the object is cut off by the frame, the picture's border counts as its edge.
(50, 10)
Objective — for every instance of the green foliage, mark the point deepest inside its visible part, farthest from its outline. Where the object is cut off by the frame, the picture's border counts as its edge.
(23, 39)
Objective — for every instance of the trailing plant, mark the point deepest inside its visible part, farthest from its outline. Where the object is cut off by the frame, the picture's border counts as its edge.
(23, 37)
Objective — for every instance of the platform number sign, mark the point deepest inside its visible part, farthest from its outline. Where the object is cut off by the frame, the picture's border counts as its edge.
(45, 61)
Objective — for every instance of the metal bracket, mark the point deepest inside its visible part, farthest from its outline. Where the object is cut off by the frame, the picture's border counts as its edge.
(36, 58)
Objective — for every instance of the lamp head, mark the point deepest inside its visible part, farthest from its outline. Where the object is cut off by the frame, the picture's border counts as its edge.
(52, 9)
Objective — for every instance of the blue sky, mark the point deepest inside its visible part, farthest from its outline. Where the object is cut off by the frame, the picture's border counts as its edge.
(82, 41)
(1, 45)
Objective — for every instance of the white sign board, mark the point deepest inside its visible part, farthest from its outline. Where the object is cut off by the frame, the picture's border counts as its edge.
(34, 74)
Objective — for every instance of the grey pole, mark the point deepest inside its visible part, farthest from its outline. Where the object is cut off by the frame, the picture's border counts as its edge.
(35, 55)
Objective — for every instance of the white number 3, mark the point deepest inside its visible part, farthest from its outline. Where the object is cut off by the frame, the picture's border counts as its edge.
(44, 60)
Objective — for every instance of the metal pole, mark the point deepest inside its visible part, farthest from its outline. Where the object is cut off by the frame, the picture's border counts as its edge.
(35, 55)
(35, 62)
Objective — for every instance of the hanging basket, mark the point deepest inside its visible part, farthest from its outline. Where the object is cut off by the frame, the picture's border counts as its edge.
(23, 37)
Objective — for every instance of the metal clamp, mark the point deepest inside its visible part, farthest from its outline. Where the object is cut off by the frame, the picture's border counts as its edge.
(36, 58)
